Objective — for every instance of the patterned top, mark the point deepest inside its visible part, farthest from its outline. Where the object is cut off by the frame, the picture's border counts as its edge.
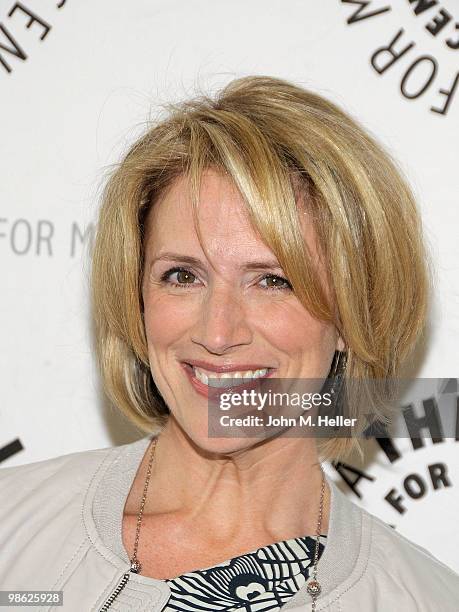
(258, 581)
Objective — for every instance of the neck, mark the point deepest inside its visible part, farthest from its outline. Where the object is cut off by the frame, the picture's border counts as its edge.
(268, 491)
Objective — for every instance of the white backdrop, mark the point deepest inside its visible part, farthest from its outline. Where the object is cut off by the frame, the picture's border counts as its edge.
(79, 79)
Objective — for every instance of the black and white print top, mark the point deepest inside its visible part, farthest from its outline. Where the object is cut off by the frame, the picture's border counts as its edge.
(259, 581)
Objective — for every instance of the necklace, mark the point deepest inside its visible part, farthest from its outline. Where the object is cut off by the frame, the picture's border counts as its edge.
(313, 588)
(136, 566)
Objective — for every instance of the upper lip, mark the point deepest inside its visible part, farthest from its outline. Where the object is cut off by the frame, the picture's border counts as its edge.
(227, 367)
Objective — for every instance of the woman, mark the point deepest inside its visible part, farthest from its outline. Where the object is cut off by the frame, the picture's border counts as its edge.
(260, 234)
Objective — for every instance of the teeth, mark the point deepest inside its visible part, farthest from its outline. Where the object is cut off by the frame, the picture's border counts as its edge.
(217, 379)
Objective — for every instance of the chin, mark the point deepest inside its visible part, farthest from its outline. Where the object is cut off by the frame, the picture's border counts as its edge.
(221, 446)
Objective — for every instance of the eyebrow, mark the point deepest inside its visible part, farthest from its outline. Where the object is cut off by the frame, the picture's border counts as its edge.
(250, 265)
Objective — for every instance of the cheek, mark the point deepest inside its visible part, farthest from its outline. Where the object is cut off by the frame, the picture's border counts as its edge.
(293, 329)
(307, 345)
(165, 319)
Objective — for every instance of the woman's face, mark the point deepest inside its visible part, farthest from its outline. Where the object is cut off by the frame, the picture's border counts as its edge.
(221, 310)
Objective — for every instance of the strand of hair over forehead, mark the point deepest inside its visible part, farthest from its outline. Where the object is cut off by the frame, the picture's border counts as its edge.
(234, 142)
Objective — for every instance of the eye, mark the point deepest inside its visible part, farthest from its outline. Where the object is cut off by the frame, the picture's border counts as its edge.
(182, 273)
(278, 283)
(185, 279)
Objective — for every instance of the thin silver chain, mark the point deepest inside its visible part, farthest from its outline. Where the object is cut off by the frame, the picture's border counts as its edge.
(313, 587)
(136, 566)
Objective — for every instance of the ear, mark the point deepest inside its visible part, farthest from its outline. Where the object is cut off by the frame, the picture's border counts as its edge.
(340, 346)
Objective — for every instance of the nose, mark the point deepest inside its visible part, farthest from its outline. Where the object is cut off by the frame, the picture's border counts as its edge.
(222, 321)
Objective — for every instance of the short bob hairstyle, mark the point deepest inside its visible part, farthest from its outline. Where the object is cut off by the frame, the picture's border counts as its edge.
(281, 144)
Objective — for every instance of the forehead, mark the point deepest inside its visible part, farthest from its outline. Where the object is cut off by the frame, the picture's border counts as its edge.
(223, 220)
(220, 206)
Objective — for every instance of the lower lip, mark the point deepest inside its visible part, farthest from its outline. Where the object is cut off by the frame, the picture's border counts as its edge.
(207, 391)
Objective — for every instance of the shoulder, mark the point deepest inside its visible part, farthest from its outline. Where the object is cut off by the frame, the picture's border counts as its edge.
(52, 480)
(42, 516)
(395, 560)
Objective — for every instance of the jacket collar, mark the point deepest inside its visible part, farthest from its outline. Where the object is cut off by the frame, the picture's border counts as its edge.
(342, 562)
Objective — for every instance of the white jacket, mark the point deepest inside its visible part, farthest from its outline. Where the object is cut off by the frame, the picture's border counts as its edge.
(60, 529)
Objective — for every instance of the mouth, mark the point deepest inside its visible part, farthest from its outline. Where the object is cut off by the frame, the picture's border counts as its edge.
(204, 380)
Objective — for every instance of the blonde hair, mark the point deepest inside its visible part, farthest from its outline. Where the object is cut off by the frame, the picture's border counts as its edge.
(278, 142)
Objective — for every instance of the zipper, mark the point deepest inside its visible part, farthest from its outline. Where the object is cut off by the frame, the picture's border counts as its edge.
(122, 583)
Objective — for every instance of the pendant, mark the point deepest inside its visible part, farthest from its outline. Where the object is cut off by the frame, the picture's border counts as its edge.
(314, 588)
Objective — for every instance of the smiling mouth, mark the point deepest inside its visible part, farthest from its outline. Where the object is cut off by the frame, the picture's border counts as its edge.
(227, 379)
